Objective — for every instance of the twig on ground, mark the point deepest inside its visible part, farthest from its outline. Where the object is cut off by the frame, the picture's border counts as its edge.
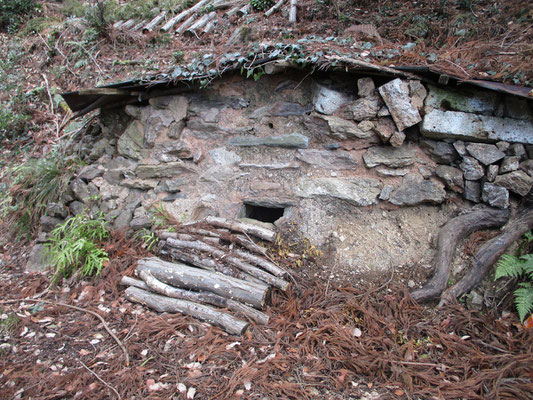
(100, 379)
(49, 94)
(102, 320)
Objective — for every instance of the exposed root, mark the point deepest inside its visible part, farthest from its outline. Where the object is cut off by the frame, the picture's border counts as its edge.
(450, 235)
(488, 254)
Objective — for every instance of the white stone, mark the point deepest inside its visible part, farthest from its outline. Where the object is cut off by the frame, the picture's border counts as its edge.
(395, 94)
(327, 101)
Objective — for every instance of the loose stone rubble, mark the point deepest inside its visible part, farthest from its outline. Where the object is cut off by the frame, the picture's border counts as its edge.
(333, 147)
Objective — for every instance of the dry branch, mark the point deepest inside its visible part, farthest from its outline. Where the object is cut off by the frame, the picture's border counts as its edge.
(199, 24)
(182, 15)
(162, 288)
(166, 304)
(488, 254)
(274, 8)
(220, 254)
(253, 230)
(450, 235)
(266, 265)
(153, 23)
(183, 276)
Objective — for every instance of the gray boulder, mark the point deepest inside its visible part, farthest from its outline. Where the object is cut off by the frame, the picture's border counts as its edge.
(452, 177)
(389, 156)
(495, 195)
(327, 159)
(357, 191)
(518, 182)
(395, 94)
(472, 169)
(440, 152)
(416, 190)
(472, 191)
(485, 153)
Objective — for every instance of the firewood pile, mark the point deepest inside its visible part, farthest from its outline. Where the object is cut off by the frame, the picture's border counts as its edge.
(214, 268)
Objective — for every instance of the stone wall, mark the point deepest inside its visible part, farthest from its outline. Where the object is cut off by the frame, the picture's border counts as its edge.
(367, 169)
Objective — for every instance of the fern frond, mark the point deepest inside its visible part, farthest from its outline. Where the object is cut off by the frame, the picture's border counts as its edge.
(509, 266)
(524, 300)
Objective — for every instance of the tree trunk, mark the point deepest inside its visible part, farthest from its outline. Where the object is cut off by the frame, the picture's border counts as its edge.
(450, 235)
(160, 303)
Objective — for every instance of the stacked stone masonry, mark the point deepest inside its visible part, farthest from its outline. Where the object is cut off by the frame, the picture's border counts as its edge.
(320, 148)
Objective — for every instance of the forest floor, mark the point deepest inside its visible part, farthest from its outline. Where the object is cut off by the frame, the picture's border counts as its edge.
(326, 340)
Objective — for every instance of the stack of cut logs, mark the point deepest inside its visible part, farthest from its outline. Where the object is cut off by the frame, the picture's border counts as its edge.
(214, 263)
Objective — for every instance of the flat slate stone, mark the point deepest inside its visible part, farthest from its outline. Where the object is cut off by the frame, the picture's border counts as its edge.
(495, 195)
(394, 157)
(357, 191)
(416, 190)
(517, 181)
(395, 94)
(141, 184)
(485, 153)
(473, 101)
(166, 170)
(509, 164)
(460, 125)
(327, 159)
(293, 140)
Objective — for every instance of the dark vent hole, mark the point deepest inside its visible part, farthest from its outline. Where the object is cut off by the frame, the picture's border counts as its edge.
(263, 214)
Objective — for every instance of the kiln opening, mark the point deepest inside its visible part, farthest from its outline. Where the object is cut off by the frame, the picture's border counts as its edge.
(263, 214)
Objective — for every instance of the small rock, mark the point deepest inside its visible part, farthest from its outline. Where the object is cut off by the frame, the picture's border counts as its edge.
(395, 157)
(425, 172)
(472, 191)
(341, 129)
(472, 169)
(452, 177)
(510, 164)
(418, 93)
(174, 196)
(386, 172)
(90, 172)
(416, 190)
(397, 139)
(383, 112)
(439, 151)
(503, 146)
(122, 222)
(385, 128)
(492, 172)
(395, 94)
(386, 192)
(141, 184)
(131, 142)
(327, 101)
(517, 149)
(171, 151)
(99, 149)
(171, 185)
(460, 147)
(517, 181)
(495, 195)
(166, 170)
(37, 261)
(365, 108)
(223, 156)
(49, 223)
(76, 207)
(485, 153)
(475, 300)
(365, 126)
(57, 210)
(365, 87)
(82, 191)
(527, 166)
(142, 222)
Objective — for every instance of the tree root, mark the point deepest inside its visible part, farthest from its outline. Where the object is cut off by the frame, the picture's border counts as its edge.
(488, 254)
(450, 235)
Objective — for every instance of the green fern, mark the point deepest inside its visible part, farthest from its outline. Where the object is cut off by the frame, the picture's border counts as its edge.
(520, 266)
(523, 298)
(73, 245)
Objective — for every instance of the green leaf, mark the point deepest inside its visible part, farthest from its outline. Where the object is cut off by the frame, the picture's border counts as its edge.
(509, 266)
(524, 300)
